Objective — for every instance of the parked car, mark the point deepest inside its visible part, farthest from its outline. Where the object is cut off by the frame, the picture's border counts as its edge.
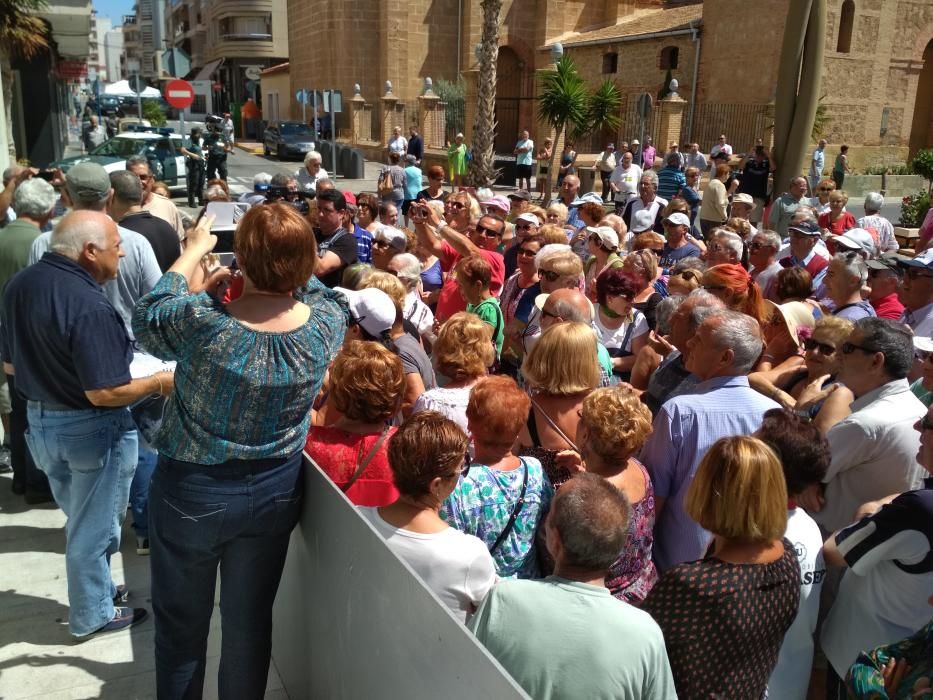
(160, 146)
(287, 139)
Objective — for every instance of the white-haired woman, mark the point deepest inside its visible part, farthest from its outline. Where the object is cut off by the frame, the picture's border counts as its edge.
(407, 267)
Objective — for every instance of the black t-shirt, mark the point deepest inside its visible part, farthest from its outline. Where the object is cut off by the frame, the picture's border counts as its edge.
(754, 178)
(416, 147)
(62, 334)
(341, 244)
(161, 236)
(426, 196)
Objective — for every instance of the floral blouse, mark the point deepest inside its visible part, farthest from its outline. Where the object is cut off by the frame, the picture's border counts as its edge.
(632, 575)
(482, 503)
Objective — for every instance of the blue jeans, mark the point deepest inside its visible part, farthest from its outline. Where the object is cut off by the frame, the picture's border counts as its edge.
(236, 516)
(89, 457)
(139, 489)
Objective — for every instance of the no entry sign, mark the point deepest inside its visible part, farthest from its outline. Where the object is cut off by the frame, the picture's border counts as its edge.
(179, 93)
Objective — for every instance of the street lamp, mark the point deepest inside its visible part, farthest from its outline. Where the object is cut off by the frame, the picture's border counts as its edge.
(557, 52)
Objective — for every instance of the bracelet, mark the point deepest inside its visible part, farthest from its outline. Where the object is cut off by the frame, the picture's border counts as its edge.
(775, 392)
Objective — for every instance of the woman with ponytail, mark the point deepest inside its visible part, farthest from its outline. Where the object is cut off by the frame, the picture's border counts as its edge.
(734, 286)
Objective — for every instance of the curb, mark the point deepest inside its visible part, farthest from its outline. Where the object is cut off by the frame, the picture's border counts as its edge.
(254, 149)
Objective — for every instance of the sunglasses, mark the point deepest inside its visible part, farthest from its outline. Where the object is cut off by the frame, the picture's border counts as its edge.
(758, 246)
(824, 348)
(487, 232)
(465, 469)
(379, 243)
(848, 348)
(526, 253)
(549, 275)
(522, 227)
(826, 189)
(454, 204)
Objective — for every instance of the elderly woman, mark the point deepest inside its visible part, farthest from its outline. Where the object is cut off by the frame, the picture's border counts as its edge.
(642, 265)
(820, 202)
(804, 388)
(715, 200)
(724, 617)
(428, 456)
(457, 161)
(388, 242)
(845, 277)
(614, 425)
(788, 325)
(269, 347)
(837, 220)
(407, 267)
(504, 498)
(462, 354)
(366, 384)
(560, 372)
(388, 214)
(557, 214)
(622, 328)
(735, 287)
(311, 173)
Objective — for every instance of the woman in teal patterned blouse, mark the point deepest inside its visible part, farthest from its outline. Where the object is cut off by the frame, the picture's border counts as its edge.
(227, 490)
(485, 500)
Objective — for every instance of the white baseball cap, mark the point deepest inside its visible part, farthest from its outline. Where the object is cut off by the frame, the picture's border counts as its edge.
(371, 308)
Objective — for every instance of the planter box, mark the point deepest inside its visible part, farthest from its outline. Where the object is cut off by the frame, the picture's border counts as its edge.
(906, 237)
(857, 186)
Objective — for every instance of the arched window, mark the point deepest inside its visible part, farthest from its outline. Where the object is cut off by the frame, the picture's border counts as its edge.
(846, 20)
(669, 57)
(610, 62)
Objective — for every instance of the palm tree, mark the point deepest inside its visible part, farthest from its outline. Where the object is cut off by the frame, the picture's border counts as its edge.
(22, 35)
(482, 166)
(603, 108)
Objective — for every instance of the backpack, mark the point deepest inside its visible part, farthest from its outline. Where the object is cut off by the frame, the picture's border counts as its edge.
(386, 187)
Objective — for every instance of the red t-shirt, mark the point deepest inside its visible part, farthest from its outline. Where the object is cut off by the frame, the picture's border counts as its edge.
(889, 307)
(840, 225)
(450, 300)
(338, 453)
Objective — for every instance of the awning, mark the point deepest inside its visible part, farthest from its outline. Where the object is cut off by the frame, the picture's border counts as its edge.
(208, 70)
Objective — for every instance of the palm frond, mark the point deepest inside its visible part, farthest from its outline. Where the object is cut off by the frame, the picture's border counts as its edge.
(603, 108)
(563, 98)
(22, 33)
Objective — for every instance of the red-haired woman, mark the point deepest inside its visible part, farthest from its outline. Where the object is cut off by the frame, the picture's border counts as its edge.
(737, 289)
(622, 328)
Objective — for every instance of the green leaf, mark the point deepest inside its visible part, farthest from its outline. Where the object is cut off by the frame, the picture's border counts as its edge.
(563, 99)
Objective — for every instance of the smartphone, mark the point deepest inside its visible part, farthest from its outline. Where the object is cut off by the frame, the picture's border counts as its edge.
(226, 259)
(47, 175)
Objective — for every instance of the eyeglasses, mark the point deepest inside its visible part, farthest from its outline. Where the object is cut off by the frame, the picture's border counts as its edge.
(465, 469)
(526, 253)
(545, 312)
(826, 189)
(824, 348)
(549, 275)
(755, 245)
(715, 248)
(145, 178)
(488, 232)
(848, 348)
(522, 227)
(380, 243)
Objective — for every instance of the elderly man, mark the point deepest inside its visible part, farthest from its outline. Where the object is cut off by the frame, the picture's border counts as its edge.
(126, 209)
(312, 172)
(817, 163)
(567, 196)
(33, 203)
(785, 206)
(558, 268)
(87, 188)
(874, 449)
(70, 353)
(804, 237)
(678, 245)
(743, 204)
(160, 206)
(671, 177)
(884, 279)
(451, 245)
(888, 552)
(624, 181)
(568, 306)
(846, 275)
(721, 354)
(874, 223)
(261, 184)
(917, 293)
(694, 158)
(648, 201)
(724, 248)
(762, 256)
(576, 640)
(667, 373)
(756, 169)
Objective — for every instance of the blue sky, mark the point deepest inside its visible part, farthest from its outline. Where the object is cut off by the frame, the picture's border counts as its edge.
(115, 9)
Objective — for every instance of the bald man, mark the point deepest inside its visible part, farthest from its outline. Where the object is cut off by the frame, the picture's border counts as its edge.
(68, 348)
(569, 305)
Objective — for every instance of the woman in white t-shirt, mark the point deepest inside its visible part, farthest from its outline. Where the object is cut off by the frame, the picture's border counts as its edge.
(622, 328)
(427, 455)
(804, 454)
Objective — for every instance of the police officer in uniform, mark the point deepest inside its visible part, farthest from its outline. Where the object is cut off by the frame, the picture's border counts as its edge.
(217, 148)
(194, 166)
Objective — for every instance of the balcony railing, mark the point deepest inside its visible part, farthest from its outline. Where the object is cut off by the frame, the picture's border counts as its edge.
(243, 36)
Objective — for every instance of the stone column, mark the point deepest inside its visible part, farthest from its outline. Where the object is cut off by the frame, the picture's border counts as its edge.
(387, 117)
(431, 120)
(470, 78)
(356, 118)
(672, 116)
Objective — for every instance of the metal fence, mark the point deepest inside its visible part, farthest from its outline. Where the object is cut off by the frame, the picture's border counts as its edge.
(455, 117)
(742, 124)
(630, 128)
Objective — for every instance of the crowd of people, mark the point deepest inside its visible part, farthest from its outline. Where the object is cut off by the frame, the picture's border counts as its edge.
(648, 450)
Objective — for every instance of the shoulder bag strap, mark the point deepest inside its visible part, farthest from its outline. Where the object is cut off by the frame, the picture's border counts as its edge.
(366, 460)
(556, 427)
(509, 526)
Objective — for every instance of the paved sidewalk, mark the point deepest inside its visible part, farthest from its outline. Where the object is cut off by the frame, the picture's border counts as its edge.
(38, 657)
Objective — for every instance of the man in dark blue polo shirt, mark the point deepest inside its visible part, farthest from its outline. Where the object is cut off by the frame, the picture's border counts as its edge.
(68, 348)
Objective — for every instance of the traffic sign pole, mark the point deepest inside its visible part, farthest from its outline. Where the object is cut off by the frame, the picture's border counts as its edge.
(333, 137)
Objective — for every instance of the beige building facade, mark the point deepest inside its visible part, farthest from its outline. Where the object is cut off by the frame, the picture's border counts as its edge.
(877, 76)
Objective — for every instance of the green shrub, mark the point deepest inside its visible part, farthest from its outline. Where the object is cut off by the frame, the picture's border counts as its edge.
(922, 165)
(153, 111)
(913, 209)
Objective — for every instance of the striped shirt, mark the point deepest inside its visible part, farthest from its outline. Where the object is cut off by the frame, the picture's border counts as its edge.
(684, 429)
(239, 393)
(670, 180)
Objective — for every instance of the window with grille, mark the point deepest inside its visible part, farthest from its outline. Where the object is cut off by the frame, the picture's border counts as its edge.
(670, 55)
(610, 62)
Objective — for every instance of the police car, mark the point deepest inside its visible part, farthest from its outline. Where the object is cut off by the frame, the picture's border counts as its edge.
(160, 146)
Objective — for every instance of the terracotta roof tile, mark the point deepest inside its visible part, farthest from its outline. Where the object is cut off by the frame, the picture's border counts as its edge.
(647, 23)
